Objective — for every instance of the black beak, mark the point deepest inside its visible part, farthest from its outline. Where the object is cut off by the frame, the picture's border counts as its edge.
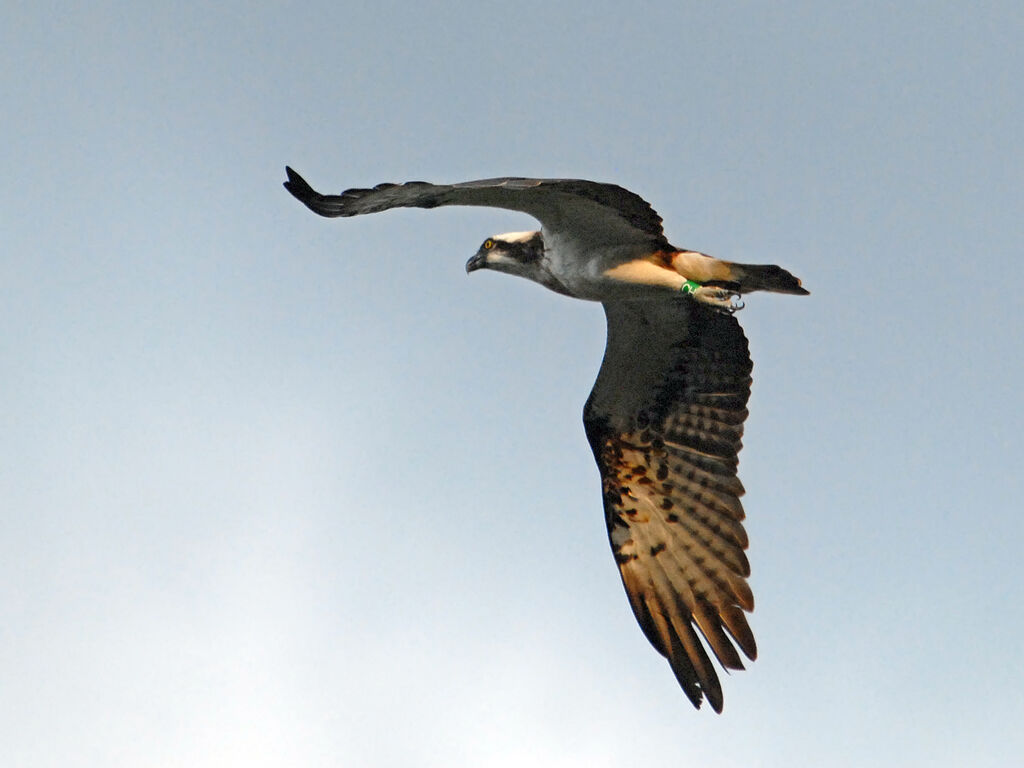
(479, 261)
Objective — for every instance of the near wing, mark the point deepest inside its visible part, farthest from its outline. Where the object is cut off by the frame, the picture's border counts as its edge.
(665, 420)
(585, 210)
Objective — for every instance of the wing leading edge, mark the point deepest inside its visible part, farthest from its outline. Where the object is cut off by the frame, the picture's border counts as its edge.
(586, 210)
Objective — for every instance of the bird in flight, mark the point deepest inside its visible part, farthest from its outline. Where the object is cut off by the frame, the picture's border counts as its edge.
(665, 416)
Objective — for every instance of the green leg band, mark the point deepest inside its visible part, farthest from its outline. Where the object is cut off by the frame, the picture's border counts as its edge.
(689, 287)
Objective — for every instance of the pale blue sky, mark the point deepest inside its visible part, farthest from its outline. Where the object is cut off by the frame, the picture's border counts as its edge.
(282, 491)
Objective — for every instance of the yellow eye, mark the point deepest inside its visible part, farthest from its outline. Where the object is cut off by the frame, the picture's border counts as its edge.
(488, 244)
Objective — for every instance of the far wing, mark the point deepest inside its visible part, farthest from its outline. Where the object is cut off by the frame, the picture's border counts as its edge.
(665, 420)
(587, 211)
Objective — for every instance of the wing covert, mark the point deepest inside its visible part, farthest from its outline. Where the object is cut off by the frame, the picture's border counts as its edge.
(585, 210)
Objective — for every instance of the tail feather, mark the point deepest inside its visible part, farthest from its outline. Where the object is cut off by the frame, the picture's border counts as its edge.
(766, 277)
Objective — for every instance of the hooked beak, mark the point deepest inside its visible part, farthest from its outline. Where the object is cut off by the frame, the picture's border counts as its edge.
(479, 261)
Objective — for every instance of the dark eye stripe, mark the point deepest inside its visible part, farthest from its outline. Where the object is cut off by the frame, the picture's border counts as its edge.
(529, 251)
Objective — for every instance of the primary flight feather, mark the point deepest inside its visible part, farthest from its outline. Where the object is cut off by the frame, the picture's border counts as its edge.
(665, 416)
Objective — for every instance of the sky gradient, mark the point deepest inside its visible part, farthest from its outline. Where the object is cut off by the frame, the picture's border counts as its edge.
(283, 491)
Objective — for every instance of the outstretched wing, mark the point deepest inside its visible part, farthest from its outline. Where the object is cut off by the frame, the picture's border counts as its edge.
(587, 211)
(665, 420)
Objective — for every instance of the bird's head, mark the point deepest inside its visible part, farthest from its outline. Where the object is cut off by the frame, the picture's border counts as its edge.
(517, 253)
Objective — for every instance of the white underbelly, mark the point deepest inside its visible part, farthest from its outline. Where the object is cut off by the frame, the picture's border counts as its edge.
(624, 272)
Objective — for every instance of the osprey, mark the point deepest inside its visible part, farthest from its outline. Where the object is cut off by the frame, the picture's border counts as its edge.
(666, 413)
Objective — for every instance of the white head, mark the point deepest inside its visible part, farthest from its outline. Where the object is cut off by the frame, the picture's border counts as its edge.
(517, 253)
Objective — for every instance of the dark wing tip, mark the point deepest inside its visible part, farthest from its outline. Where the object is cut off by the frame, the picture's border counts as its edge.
(297, 185)
(322, 204)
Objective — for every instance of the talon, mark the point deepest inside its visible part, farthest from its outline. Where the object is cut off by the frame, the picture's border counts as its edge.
(721, 298)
